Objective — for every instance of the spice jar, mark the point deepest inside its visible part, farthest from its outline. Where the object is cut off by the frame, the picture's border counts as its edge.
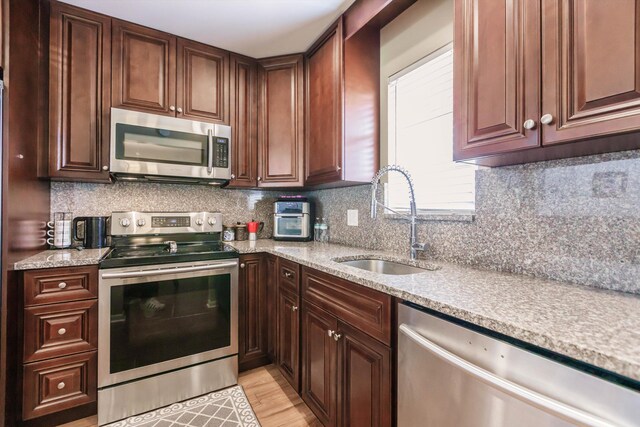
(241, 232)
(228, 233)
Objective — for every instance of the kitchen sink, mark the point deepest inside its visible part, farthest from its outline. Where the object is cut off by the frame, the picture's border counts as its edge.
(381, 266)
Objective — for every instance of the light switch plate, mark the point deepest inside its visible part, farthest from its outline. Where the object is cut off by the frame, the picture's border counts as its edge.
(352, 217)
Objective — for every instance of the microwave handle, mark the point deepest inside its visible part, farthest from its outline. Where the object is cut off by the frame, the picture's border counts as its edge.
(210, 150)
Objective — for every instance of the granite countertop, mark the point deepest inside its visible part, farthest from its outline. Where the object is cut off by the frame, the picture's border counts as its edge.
(62, 258)
(595, 326)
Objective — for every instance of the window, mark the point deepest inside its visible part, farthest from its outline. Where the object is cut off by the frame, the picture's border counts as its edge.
(421, 138)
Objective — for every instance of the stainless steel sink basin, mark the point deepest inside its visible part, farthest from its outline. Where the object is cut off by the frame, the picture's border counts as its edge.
(383, 267)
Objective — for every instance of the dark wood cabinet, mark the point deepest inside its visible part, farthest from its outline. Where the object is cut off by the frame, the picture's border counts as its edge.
(497, 76)
(60, 340)
(281, 122)
(591, 84)
(365, 377)
(288, 340)
(252, 322)
(79, 94)
(272, 304)
(202, 82)
(244, 122)
(533, 80)
(342, 108)
(319, 363)
(144, 69)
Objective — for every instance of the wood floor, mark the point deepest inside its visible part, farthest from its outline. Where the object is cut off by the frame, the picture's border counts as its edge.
(274, 401)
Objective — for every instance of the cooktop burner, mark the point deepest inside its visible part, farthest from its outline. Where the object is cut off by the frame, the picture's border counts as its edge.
(161, 238)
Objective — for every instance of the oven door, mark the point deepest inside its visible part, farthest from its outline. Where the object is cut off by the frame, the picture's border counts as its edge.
(154, 319)
(150, 145)
(294, 225)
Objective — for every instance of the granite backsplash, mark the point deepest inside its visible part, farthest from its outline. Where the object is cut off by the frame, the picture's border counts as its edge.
(88, 199)
(575, 220)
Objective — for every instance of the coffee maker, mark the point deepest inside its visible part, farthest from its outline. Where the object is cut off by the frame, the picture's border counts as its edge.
(91, 231)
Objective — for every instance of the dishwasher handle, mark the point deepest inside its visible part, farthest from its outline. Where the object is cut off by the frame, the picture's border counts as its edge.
(521, 393)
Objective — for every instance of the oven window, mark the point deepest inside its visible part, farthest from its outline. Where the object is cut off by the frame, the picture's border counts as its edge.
(158, 321)
(160, 145)
(290, 226)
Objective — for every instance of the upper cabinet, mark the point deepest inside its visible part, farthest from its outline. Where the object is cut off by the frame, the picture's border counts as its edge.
(535, 80)
(244, 121)
(144, 69)
(79, 94)
(281, 122)
(342, 108)
(159, 73)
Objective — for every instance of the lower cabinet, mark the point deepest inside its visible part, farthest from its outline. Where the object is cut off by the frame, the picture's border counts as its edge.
(346, 372)
(253, 315)
(288, 336)
(272, 304)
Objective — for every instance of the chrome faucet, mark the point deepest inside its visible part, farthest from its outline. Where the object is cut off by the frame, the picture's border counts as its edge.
(414, 246)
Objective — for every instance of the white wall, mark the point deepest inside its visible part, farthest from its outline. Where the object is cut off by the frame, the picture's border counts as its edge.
(420, 30)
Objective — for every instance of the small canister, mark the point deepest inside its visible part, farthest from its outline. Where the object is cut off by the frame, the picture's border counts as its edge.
(241, 232)
(228, 233)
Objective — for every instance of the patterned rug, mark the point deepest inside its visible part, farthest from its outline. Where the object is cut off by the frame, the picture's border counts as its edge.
(226, 408)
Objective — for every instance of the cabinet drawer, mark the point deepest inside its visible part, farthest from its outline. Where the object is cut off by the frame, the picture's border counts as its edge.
(59, 384)
(361, 307)
(289, 275)
(60, 285)
(60, 329)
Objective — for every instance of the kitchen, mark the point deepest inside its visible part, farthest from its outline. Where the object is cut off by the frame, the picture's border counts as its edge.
(225, 185)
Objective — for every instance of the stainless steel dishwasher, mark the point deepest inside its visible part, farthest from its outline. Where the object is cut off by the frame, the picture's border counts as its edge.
(449, 375)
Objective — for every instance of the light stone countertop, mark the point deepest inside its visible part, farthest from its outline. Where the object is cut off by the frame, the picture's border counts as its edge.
(595, 326)
(62, 258)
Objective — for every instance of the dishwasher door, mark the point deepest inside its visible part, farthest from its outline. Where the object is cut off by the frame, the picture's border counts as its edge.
(451, 376)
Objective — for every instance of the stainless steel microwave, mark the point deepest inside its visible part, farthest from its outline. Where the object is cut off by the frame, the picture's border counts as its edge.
(149, 147)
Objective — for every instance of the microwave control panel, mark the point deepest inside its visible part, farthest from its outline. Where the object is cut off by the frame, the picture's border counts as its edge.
(221, 153)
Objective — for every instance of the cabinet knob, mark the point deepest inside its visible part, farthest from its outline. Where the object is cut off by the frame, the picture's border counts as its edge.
(294, 308)
(288, 274)
(233, 176)
(547, 119)
(242, 265)
(338, 168)
(105, 168)
(336, 336)
(529, 124)
(259, 178)
(172, 108)
(62, 331)
(62, 285)
(179, 110)
(61, 385)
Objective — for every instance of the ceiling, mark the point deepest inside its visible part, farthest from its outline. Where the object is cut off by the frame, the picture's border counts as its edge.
(257, 28)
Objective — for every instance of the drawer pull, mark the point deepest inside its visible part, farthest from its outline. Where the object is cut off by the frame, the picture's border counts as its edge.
(62, 331)
(288, 274)
(61, 385)
(294, 308)
(62, 285)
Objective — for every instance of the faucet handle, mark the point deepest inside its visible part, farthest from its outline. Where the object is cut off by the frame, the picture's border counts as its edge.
(421, 247)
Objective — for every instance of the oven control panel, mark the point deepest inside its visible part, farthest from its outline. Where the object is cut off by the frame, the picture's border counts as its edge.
(144, 223)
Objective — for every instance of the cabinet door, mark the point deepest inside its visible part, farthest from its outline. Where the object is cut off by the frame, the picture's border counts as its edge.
(244, 123)
(496, 76)
(252, 322)
(202, 82)
(288, 344)
(280, 122)
(364, 366)
(144, 69)
(591, 74)
(79, 94)
(324, 100)
(319, 363)
(272, 303)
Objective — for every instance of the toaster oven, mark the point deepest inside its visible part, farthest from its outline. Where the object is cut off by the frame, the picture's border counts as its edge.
(292, 220)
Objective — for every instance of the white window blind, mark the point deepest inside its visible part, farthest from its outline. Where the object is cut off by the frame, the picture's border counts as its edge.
(421, 138)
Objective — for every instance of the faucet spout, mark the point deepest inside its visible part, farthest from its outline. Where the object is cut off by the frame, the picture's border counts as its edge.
(414, 247)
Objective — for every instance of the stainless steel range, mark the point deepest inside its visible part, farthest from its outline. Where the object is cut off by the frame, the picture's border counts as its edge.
(168, 312)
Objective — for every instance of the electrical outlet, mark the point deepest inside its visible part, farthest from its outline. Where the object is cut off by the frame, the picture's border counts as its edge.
(352, 217)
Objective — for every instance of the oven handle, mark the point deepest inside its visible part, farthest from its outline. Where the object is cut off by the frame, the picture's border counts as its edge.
(162, 271)
(210, 147)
